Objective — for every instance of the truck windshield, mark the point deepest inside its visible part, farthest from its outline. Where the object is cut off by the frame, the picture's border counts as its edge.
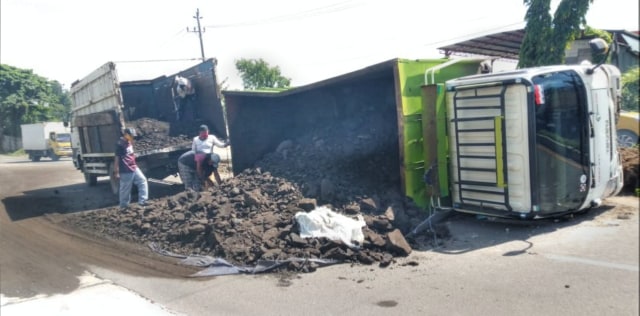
(63, 138)
(561, 141)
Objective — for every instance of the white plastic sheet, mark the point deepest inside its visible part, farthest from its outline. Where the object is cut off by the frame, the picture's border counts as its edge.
(323, 222)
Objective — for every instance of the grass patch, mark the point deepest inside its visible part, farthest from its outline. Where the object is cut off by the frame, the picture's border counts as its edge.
(19, 152)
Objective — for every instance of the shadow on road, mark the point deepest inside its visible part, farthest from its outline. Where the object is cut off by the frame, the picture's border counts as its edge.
(468, 232)
(73, 198)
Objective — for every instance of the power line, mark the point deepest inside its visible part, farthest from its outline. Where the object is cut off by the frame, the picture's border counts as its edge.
(333, 8)
(155, 60)
(421, 45)
(172, 39)
(472, 35)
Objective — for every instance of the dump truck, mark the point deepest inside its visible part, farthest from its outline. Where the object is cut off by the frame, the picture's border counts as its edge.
(46, 139)
(102, 107)
(529, 143)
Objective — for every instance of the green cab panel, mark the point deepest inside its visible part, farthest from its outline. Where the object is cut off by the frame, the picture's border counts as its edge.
(422, 123)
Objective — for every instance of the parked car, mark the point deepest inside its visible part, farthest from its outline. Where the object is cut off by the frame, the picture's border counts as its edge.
(628, 129)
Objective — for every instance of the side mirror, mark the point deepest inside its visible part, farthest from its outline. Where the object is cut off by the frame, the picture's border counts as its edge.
(598, 47)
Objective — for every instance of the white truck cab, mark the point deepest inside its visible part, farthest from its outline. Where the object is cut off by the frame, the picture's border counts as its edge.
(534, 142)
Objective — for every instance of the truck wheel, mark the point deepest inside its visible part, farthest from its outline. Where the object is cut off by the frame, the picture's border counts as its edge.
(35, 158)
(90, 179)
(54, 157)
(627, 138)
(113, 181)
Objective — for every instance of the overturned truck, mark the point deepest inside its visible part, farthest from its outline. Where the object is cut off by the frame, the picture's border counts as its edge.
(103, 106)
(529, 143)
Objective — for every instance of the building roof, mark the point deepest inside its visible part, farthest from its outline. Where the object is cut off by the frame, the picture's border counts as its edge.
(504, 44)
(507, 44)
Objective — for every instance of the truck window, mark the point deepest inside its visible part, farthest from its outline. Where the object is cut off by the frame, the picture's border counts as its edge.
(561, 141)
(63, 138)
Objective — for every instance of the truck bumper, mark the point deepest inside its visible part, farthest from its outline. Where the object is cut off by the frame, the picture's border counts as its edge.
(64, 153)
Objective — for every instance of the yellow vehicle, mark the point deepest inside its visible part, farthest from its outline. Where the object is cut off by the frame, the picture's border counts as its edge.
(628, 129)
(46, 139)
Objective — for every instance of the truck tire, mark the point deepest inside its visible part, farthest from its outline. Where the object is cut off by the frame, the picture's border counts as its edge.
(35, 158)
(54, 157)
(113, 181)
(627, 138)
(90, 179)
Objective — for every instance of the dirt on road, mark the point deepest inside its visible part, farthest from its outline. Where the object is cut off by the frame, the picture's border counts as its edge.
(48, 255)
(251, 216)
(39, 254)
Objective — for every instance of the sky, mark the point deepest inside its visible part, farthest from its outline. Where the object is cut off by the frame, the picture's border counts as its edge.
(309, 41)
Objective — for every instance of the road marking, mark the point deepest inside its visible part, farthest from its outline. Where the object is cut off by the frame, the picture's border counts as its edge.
(605, 264)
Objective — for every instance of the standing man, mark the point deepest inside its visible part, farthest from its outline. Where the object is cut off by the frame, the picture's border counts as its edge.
(126, 169)
(203, 147)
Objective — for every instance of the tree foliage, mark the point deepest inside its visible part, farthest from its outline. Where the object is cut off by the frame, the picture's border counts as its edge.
(536, 33)
(630, 88)
(28, 98)
(258, 74)
(545, 38)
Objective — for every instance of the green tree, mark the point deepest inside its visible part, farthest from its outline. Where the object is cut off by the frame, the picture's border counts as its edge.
(61, 111)
(545, 39)
(536, 32)
(257, 74)
(28, 98)
(630, 87)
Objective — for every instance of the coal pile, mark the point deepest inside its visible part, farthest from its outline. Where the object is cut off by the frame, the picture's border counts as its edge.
(154, 134)
(351, 169)
(630, 157)
(248, 218)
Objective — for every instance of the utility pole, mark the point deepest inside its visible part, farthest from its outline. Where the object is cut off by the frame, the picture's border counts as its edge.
(199, 30)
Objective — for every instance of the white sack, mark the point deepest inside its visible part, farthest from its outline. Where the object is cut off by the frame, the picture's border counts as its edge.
(323, 222)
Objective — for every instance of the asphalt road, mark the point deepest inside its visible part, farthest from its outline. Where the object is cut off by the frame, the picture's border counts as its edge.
(586, 265)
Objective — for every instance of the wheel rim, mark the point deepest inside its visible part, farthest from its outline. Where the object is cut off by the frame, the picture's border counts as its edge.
(625, 140)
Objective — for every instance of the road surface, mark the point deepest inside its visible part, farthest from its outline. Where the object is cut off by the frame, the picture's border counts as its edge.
(586, 265)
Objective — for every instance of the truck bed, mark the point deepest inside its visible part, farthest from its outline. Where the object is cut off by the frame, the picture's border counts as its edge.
(103, 106)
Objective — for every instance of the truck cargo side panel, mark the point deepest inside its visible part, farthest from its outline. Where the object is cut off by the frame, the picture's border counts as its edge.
(98, 92)
(99, 131)
(257, 126)
(258, 123)
(138, 100)
(153, 99)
